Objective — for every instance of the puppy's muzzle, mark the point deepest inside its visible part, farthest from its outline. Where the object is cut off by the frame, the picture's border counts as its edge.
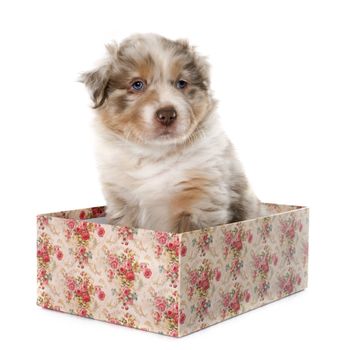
(166, 116)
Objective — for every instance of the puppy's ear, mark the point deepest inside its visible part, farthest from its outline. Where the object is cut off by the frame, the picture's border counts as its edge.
(97, 80)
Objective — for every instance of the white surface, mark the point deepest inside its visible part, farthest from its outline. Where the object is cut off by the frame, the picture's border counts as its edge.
(281, 72)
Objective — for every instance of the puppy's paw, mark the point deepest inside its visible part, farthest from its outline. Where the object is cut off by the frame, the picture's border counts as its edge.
(114, 220)
(121, 215)
(184, 223)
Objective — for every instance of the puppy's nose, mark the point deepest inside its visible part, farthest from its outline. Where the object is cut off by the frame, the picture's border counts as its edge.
(166, 116)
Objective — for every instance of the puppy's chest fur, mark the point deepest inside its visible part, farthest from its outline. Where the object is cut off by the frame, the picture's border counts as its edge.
(167, 190)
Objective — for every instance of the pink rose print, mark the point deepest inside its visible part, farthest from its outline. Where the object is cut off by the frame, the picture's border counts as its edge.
(45, 301)
(265, 228)
(261, 269)
(217, 273)
(298, 280)
(169, 245)
(126, 233)
(183, 250)
(147, 273)
(203, 243)
(130, 276)
(45, 253)
(157, 316)
(288, 282)
(97, 212)
(234, 305)
(234, 240)
(232, 301)
(83, 312)
(80, 291)
(58, 252)
(167, 310)
(274, 259)
(246, 296)
(71, 224)
(126, 320)
(289, 228)
(114, 263)
(199, 284)
(161, 237)
(101, 295)
(70, 284)
(160, 303)
(249, 237)
(42, 222)
(182, 318)
(101, 231)
(82, 232)
(126, 269)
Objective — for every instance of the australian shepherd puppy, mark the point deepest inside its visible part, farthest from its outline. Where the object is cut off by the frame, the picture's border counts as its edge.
(165, 163)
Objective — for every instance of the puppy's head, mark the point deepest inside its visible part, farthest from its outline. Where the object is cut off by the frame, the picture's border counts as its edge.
(151, 90)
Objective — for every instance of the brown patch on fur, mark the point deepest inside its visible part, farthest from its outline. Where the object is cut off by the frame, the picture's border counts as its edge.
(176, 69)
(200, 108)
(145, 68)
(186, 198)
(184, 223)
(129, 123)
(192, 92)
(120, 103)
(192, 190)
(194, 181)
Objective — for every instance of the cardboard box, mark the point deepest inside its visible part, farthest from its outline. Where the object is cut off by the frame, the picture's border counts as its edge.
(169, 283)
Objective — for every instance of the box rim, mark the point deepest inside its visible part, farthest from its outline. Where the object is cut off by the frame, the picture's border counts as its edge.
(54, 215)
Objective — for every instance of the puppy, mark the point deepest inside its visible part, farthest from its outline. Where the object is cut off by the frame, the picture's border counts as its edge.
(164, 161)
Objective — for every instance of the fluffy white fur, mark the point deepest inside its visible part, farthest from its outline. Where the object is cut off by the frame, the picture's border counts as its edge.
(174, 178)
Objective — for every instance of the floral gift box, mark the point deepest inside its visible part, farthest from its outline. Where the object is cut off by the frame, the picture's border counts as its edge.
(169, 283)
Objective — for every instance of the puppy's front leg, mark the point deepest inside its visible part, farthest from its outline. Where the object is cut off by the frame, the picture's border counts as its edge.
(119, 213)
(116, 210)
(184, 223)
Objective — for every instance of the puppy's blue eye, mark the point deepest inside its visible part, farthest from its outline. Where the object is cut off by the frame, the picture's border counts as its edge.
(138, 85)
(181, 84)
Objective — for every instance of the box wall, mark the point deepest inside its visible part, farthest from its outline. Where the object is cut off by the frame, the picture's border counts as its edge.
(172, 284)
(234, 268)
(115, 274)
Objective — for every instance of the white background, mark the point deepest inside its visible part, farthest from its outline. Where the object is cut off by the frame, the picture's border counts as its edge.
(281, 71)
